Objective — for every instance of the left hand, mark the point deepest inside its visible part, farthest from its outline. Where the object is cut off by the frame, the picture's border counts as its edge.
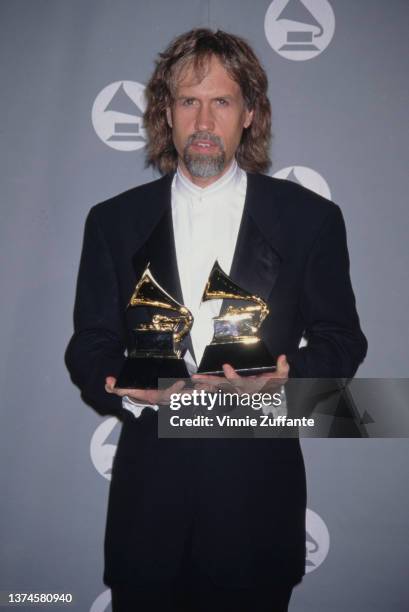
(269, 382)
(144, 396)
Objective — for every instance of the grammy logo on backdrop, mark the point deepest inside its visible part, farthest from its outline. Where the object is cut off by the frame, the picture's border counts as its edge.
(308, 28)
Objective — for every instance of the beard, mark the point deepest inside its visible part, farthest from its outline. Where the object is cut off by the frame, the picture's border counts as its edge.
(203, 165)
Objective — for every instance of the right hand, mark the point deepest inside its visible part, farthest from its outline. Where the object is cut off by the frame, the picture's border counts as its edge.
(144, 396)
(269, 382)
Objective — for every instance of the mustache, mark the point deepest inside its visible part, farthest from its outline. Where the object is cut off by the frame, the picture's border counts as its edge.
(216, 140)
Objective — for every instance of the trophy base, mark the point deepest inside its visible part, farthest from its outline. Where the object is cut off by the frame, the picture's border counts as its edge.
(144, 372)
(246, 359)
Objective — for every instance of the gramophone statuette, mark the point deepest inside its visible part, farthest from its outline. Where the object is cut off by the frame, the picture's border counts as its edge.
(155, 347)
(236, 340)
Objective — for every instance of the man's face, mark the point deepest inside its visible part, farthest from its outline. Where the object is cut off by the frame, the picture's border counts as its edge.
(207, 120)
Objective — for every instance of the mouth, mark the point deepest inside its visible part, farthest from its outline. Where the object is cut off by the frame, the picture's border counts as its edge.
(204, 142)
(204, 145)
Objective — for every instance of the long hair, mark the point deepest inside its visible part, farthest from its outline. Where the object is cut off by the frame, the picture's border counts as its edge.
(195, 49)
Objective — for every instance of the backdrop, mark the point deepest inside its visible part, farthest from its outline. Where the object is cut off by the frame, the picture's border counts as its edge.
(73, 75)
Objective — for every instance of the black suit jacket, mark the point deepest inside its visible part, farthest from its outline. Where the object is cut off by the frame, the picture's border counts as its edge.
(236, 505)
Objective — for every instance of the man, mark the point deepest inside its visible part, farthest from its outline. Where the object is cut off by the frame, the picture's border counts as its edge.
(210, 524)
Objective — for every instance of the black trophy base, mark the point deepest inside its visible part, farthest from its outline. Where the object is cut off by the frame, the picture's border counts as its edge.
(144, 372)
(246, 359)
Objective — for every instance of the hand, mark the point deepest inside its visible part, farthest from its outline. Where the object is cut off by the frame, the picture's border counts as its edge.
(144, 396)
(265, 383)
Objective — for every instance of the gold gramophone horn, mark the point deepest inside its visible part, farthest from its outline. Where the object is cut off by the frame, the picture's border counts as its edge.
(149, 293)
(221, 287)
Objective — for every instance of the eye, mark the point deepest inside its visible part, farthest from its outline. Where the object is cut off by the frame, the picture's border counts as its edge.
(222, 102)
(188, 101)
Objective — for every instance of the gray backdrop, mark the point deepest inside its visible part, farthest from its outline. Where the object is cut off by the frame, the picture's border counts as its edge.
(341, 113)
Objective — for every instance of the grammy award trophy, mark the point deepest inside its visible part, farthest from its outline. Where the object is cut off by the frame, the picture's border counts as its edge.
(235, 339)
(155, 351)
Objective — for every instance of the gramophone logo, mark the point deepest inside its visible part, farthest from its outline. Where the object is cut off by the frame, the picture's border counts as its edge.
(317, 541)
(103, 446)
(117, 115)
(307, 178)
(102, 602)
(299, 29)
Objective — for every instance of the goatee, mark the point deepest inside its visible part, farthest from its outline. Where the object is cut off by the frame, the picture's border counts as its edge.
(203, 165)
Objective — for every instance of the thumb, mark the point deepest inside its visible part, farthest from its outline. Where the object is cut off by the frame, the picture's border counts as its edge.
(110, 383)
(282, 366)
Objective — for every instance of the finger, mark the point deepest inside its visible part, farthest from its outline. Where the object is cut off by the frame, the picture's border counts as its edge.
(203, 377)
(230, 373)
(206, 379)
(175, 388)
(140, 395)
(178, 385)
(283, 367)
(135, 394)
(238, 383)
(110, 382)
(205, 387)
(163, 396)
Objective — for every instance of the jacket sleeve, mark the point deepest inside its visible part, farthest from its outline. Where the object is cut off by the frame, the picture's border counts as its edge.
(96, 349)
(336, 344)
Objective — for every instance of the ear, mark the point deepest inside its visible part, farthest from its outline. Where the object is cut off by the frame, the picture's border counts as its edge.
(248, 118)
(169, 117)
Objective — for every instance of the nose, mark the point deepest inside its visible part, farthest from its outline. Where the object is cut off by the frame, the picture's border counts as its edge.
(204, 118)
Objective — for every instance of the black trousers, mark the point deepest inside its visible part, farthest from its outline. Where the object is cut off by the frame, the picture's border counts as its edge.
(187, 527)
(201, 595)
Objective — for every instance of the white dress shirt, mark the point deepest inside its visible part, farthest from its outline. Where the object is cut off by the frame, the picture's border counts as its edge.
(206, 224)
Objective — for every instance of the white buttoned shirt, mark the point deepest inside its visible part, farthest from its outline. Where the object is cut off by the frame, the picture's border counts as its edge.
(206, 223)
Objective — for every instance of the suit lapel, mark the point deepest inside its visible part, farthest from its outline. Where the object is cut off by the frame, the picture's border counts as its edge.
(256, 261)
(161, 253)
(159, 248)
